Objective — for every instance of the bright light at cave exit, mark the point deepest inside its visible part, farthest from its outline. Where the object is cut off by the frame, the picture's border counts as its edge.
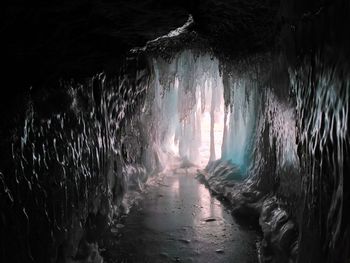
(201, 137)
(204, 149)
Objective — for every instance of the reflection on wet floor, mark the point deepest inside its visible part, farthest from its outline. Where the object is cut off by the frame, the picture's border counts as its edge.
(179, 221)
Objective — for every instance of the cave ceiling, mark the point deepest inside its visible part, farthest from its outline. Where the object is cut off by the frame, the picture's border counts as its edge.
(51, 39)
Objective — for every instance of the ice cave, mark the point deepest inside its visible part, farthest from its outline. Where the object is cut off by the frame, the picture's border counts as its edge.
(175, 131)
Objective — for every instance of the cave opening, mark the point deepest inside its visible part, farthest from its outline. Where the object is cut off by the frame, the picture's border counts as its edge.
(175, 131)
(189, 108)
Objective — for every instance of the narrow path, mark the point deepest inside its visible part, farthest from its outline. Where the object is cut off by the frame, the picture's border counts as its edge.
(179, 221)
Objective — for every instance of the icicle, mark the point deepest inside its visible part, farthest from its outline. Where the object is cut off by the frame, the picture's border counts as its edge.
(187, 99)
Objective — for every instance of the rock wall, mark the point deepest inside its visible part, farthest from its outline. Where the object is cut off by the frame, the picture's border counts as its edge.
(69, 171)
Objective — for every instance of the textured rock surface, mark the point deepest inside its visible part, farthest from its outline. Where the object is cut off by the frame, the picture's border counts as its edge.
(50, 53)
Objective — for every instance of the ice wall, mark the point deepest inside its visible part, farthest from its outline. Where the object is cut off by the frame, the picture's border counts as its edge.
(290, 130)
(260, 144)
(71, 169)
(240, 115)
(260, 130)
(185, 107)
(203, 111)
(322, 92)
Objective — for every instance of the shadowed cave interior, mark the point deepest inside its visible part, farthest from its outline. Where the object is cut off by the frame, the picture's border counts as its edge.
(175, 131)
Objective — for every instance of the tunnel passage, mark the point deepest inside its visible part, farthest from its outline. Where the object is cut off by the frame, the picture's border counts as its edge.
(235, 120)
(89, 124)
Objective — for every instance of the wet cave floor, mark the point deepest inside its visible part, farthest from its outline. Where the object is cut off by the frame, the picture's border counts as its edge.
(178, 220)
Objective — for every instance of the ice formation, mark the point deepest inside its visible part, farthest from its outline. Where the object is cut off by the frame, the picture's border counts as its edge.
(295, 127)
(265, 134)
(185, 105)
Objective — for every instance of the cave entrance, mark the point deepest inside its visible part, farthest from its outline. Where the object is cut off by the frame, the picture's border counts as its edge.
(188, 107)
(210, 148)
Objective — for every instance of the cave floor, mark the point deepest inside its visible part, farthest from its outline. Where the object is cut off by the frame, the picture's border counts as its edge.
(177, 220)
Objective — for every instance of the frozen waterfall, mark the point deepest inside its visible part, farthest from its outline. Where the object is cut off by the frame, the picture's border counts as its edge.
(191, 120)
(185, 105)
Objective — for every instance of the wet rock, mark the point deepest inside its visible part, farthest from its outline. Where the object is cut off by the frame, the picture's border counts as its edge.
(201, 177)
(120, 226)
(164, 254)
(280, 232)
(89, 253)
(187, 241)
(114, 230)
